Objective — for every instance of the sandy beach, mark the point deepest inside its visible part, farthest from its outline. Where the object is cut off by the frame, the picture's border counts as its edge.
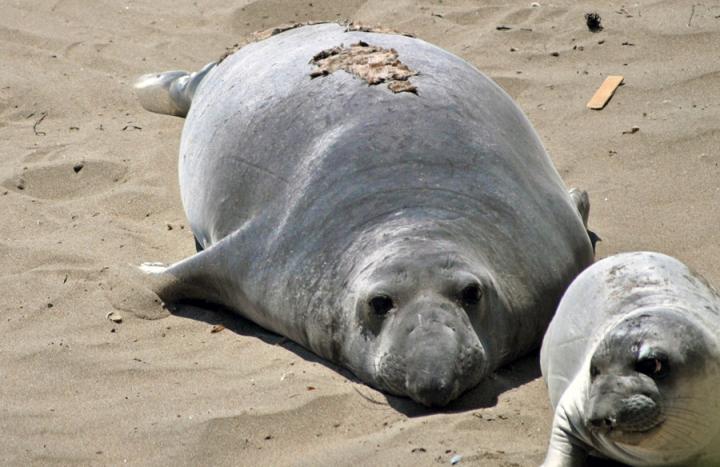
(88, 188)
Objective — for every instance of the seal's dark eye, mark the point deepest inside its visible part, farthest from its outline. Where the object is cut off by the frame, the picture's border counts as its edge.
(381, 304)
(470, 294)
(656, 367)
(594, 371)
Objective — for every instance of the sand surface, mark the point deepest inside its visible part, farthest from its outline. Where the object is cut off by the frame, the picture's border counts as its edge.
(161, 389)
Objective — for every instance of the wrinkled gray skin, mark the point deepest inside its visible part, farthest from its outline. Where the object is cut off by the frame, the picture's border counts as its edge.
(632, 364)
(419, 240)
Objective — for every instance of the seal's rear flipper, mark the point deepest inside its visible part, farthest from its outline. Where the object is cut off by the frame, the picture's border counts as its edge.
(194, 278)
(203, 276)
(170, 92)
(582, 203)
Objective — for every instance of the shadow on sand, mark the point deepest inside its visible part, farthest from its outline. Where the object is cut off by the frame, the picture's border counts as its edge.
(483, 396)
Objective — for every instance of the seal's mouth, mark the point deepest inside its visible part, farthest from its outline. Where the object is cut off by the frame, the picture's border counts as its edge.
(630, 434)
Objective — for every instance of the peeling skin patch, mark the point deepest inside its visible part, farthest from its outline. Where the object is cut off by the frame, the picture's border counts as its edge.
(373, 64)
(349, 27)
(258, 36)
(267, 33)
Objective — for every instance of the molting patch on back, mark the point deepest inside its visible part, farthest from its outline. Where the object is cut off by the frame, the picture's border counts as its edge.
(352, 26)
(373, 64)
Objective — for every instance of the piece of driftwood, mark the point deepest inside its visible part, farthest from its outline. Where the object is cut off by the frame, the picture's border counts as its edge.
(604, 92)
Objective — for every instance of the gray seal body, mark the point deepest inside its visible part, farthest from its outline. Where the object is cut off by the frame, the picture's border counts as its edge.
(419, 239)
(632, 364)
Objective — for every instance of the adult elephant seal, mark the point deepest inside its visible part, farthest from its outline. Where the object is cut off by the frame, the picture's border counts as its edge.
(375, 199)
(632, 364)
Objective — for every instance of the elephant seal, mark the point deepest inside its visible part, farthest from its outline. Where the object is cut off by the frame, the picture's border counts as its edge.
(632, 363)
(376, 200)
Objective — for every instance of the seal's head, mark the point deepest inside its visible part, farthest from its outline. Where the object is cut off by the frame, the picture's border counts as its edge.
(419, 308)
(653, 393)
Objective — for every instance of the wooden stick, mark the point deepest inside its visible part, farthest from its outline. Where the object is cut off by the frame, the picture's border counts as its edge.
(604, 92)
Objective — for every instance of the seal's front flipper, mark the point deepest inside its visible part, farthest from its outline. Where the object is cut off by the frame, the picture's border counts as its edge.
(564, 450)
(170, 92)
(582, 203)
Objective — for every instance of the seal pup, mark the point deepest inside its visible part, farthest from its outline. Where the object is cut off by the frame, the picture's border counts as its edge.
(375, 199)
(632, 364)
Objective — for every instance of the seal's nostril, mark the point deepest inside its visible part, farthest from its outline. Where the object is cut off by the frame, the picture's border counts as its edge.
(602, 422)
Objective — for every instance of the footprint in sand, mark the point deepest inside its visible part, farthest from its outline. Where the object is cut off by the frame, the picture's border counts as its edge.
(66, 180)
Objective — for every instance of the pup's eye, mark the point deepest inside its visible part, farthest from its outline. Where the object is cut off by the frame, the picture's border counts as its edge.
(594, 371)
(381, 304)
(654, 367)
(470, 294)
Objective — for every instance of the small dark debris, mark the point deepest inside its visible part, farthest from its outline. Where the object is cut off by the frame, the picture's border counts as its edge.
(112, 330)
(601, 42)
(631, 131)
(78, 167)
(131, 127)
(503, 28)
(20, 185)
(438, 15)
(268, 437)
(318, 73)
(311, 388)
(628, 43)
(418, 450)
(74, 128)
(37, 123)
(623, 11)
(555, 54)
(362, 44)
(325, 54)
(513, 49)
(593, 21)
(50, 305)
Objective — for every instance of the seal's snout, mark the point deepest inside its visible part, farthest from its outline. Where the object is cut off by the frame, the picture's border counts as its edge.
(616, 404)
(637, 413)
(441, 361)
(431, 391)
